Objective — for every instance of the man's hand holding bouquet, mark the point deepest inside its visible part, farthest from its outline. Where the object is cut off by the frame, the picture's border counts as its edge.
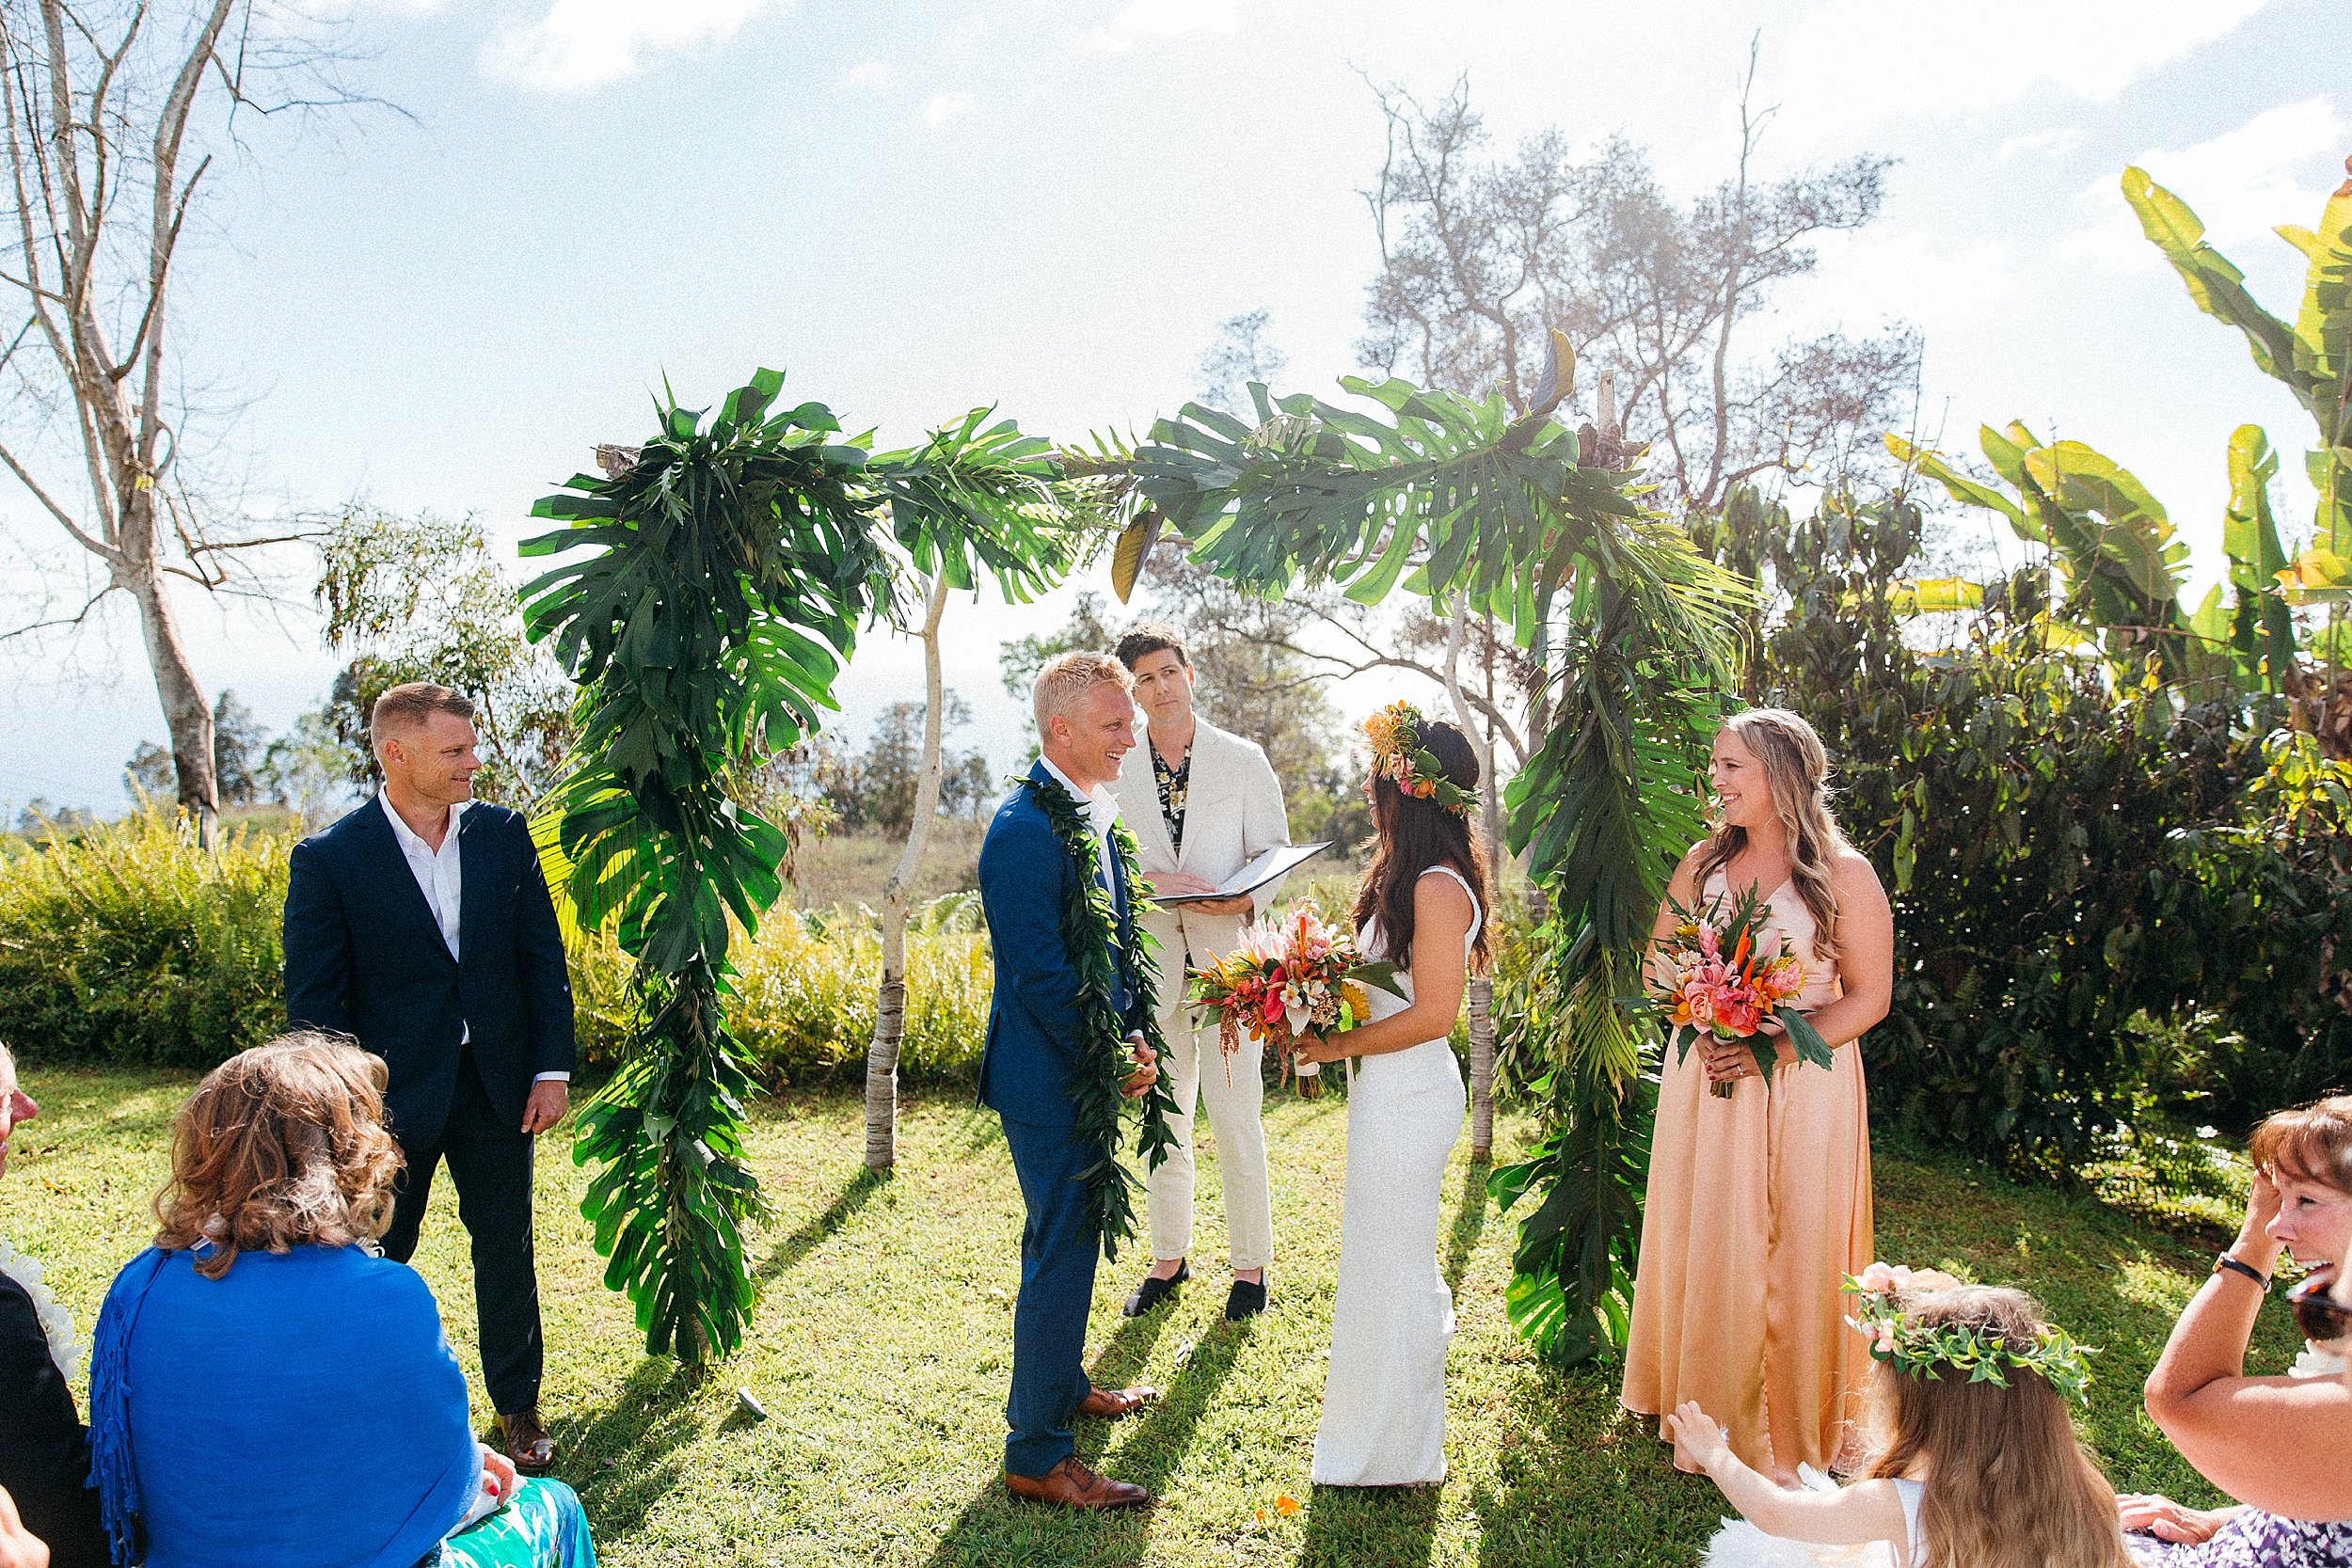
(1283, 981)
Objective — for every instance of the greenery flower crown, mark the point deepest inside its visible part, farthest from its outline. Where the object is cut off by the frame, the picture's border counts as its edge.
(1397, 754)
(1925, 1350)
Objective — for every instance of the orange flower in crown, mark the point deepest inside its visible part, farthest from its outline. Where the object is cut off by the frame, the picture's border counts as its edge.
(1397, 755)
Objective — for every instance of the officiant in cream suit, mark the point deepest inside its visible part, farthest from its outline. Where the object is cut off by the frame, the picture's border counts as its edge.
(1202, 804)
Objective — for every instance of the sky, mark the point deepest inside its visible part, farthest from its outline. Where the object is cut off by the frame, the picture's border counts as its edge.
(912, 207)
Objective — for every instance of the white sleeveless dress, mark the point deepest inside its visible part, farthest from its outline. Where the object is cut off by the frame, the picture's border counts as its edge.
(1741, 1545)
(1384, 1399)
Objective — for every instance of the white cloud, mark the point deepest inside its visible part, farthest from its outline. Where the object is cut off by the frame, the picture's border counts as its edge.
(948, 106)
(872, 73)
(1143, 21)
(2052, 142)
(1863, 61)
(587, 43)
(2274, 168)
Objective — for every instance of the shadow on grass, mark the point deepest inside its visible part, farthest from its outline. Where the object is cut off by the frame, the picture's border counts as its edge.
(1370, 1526)
(1580, 1481)
(992, 1529)
(1470, 1224)
(814, 1231)
(626, 1455)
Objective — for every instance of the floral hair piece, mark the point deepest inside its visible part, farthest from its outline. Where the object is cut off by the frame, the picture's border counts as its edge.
(1397, 755)
(1925, 1350)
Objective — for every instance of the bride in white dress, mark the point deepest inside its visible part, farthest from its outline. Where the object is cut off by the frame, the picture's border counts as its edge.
(1422, 907)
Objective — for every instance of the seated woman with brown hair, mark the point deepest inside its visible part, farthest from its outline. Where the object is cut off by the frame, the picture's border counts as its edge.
(268, 1391)
(2279, 1445)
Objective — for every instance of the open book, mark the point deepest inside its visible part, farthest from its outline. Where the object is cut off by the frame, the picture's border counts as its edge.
(1278, 861)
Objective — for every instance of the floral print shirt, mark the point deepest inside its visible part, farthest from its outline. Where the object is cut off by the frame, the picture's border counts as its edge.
(1174, 785)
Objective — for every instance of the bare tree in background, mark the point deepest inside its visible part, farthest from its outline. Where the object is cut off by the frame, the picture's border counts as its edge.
(1482, 257)
(110, 105)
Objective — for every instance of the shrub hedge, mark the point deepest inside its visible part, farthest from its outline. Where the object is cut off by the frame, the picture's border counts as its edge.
(124, 942)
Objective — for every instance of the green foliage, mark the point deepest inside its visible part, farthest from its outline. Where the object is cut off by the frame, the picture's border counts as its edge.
(2121, 567)
(423, 599)
(2069, 856)
(1449, 495)
(130, 944)
(2312, 357)
(728, 571)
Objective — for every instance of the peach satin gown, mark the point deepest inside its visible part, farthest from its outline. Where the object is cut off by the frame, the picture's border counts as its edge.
(1758, 1206)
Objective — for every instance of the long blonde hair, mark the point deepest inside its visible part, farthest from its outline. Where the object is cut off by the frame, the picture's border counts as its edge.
(1796, 767)
(2008, 1483)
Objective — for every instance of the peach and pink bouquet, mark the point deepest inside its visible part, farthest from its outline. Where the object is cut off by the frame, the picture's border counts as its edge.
(1722, 974)
(1282, 980)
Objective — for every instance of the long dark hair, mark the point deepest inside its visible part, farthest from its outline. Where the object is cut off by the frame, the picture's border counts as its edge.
(1415, 834)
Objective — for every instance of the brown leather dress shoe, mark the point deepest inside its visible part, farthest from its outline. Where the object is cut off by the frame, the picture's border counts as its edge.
(1071, 1484)
(1114, 1404)
(526, 1441)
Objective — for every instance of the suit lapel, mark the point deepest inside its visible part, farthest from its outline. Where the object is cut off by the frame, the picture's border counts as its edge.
(391, 866)
(473, 873)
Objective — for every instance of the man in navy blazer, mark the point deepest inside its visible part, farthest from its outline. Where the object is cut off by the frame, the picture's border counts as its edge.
(1086, 725)
(420, 925)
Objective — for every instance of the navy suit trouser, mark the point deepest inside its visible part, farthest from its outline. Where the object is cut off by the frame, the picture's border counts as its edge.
(1059, 1247)
(490, 1160)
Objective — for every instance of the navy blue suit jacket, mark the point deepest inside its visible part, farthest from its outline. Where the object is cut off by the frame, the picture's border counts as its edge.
(1033, 1023)
(365, 959)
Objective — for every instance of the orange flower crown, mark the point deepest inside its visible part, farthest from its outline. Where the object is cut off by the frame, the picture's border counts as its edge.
(1394, 735)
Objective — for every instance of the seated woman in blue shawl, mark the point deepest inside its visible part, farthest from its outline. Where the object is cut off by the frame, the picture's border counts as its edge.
(267, 1391)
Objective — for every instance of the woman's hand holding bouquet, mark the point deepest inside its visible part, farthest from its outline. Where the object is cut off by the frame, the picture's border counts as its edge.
(1718, 979)
(1286, 984)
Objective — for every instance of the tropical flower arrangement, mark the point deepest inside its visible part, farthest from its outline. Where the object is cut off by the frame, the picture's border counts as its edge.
(1282, 980)
(1720, 974)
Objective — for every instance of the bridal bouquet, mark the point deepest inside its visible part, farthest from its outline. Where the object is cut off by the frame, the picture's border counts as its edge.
(1283, 979)
(1720, 974)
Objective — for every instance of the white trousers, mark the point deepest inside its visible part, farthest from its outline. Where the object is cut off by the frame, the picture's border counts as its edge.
(1197, 1072)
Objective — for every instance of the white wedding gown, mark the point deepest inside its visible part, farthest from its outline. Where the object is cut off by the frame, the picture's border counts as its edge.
(1384, 1399)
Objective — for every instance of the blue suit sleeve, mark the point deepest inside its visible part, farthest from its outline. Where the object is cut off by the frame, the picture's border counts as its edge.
(539, 953)
(1023, 867)
(317, 940)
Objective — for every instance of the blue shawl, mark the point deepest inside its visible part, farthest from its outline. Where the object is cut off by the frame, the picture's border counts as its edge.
(302, 1411)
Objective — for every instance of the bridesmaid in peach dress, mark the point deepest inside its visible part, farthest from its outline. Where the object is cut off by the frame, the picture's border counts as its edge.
(1759, 1205)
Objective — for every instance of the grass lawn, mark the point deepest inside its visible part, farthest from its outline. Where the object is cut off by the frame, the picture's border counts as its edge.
(882, 1346)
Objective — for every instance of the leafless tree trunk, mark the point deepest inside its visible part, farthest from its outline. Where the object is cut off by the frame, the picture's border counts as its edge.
(890, 1004)
(99, 100)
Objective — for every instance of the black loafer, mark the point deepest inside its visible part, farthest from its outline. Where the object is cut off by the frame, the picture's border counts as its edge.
(1153, 1292)
(1247, 1299)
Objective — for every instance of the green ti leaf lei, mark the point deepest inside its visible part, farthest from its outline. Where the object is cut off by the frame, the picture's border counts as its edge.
(1090, 929)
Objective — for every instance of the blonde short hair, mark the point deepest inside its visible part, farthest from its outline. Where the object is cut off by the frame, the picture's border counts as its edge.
(1068, 677)
(407, 706)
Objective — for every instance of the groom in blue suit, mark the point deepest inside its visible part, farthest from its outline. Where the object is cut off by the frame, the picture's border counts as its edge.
(1086, 725)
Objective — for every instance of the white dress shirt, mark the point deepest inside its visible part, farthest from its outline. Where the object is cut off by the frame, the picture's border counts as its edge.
(441, 880)
(1101, 809)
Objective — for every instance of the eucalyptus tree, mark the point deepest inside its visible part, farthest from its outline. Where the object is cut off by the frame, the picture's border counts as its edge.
(722, 574)
(1440, 495)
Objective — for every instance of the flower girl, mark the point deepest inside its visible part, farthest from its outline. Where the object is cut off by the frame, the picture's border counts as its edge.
(1978, 1464)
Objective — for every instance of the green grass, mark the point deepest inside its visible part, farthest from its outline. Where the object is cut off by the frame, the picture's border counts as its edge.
(882, 1345)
